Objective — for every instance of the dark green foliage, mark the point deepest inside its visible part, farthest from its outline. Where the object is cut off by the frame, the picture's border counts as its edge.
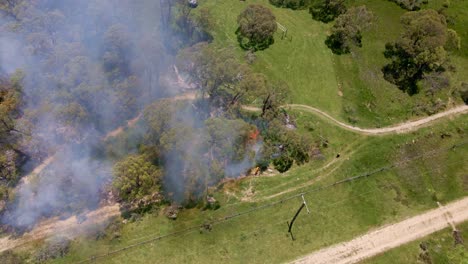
(293, 4)
(257, 24)
(285, 146)
(136, 178)
(219, 74)
(412, 5)
(453, 40)
(283, 163)
(346, 31)
(418, 51)
(327, 10)
(464, 93)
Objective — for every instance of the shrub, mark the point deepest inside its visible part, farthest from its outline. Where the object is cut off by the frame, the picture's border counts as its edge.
(10, 257)
(57, 248)
(293, 4)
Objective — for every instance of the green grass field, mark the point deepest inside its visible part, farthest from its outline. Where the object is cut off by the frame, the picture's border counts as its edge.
(338, 213)
(441, 248)
(349, 87)
(301, 59)
(315, 77)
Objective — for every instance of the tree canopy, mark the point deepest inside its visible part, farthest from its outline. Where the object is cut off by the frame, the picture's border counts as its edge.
(346, 32)
(11, 135)
(135, 177)
(418, 51)
(327, 10)
(257, 24)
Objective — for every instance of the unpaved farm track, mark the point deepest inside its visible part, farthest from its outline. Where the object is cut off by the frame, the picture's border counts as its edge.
(399, 128)
(69, 228)
(391, 236)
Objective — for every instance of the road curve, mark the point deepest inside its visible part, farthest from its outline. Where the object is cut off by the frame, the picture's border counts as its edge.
(391, 236)
(398, 128)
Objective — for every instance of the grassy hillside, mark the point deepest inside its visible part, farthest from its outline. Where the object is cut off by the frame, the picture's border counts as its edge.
(350, 87)
(301, 59)
(337, 213)
(419, 168)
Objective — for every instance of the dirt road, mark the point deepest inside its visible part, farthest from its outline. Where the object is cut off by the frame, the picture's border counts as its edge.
(37, 170)
(130, 123)
(398, 128)
(70, 227)
(391, 236)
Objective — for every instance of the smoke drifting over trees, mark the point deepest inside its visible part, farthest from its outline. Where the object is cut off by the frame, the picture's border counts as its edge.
(72, 71)
(87, 67)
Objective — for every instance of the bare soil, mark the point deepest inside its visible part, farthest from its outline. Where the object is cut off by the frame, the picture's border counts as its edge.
(391, 236)
(368, 245)
(70, 228)
(398, 128)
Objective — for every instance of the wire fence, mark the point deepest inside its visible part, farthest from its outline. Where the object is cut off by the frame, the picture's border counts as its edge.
(276, 203)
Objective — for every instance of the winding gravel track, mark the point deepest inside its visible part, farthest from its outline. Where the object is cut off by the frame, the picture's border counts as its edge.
(399, 128)
(71, 226)
(391, 236)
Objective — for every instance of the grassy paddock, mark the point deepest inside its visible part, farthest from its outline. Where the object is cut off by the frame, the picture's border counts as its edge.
(350, 87)
(301, 59)
(440, 247)
(338, 213)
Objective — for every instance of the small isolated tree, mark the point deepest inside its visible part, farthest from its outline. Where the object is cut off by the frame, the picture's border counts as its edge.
(327, 10)
(257, 24)
(347, 29)
(418, 51)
